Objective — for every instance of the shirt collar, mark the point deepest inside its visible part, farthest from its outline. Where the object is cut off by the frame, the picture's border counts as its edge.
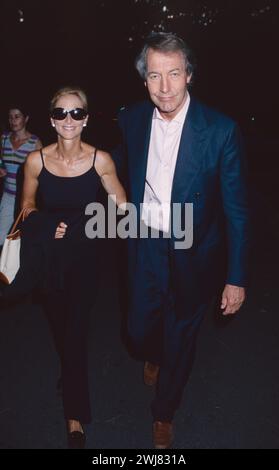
(180, 117)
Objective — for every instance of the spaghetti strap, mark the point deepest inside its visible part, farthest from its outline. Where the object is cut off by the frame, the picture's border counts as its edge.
(94, 158)
(42, 157)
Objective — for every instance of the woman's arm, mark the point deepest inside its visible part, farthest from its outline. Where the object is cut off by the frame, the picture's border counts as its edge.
(106, 169)
(32, 168)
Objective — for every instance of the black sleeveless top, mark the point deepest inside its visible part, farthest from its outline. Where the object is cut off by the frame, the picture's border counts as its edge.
(64, 199)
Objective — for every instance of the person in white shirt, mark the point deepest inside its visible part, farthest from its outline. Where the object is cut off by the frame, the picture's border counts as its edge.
(176, 150)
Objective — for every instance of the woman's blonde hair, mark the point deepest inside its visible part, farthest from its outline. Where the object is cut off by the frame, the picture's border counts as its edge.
(70, 91)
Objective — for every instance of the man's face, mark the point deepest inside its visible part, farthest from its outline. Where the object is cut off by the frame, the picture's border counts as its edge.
(167, 81)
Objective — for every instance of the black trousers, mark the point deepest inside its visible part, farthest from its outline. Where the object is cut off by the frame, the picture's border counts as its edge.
(156, 332)
(66, 274)
(68, 311)
(69, 323)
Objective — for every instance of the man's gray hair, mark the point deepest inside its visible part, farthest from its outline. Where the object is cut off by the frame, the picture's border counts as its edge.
(164, 42)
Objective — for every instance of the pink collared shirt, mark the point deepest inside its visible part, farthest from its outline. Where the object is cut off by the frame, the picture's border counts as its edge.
(162, 155)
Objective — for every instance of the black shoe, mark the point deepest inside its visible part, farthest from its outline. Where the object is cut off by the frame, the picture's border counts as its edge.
(76, 440)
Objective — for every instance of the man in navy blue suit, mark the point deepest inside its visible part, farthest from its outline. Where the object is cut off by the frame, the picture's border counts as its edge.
(176, 150)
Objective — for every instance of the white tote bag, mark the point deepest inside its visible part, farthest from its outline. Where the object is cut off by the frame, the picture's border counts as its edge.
(9, 259)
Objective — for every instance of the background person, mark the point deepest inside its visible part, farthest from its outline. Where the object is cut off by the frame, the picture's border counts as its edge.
(15, 147)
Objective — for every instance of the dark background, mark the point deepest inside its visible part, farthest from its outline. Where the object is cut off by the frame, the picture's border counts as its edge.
(93, 43)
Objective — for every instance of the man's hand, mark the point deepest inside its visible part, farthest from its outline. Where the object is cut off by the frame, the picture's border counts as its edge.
(61, 230)
(2, 172)
(232, 299)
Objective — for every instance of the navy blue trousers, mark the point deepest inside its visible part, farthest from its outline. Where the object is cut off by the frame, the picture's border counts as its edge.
(157, 334)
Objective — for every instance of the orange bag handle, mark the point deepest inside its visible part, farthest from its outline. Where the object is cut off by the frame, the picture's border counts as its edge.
(21, 215)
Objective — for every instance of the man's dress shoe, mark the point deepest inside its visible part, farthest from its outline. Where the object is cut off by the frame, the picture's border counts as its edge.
(162, 435)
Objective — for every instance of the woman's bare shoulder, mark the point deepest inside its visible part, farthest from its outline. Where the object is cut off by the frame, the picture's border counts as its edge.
(49, 150)
(88, 149)
(104, 157)
(104, 163)
(34, 160)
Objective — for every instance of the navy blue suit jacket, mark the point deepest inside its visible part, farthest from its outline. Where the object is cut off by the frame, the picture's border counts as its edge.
(210, 173)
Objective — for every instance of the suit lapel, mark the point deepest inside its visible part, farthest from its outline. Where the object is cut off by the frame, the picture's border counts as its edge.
(191, 151)
(141, 155)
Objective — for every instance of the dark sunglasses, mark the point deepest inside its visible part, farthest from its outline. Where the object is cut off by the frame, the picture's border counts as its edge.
(60, 113)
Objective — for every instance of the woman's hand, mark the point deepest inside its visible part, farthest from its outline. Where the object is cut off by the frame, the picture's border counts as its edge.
(61, 230)
(2, 172)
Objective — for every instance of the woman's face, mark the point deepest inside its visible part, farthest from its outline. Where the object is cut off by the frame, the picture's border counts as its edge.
(17, 120)
(69, 128)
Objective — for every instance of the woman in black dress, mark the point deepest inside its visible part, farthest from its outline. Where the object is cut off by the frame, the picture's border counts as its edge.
(65, 178)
